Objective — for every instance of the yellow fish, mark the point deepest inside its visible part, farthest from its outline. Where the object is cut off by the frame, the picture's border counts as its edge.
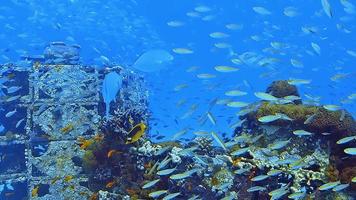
(136, 133)
(34, 192)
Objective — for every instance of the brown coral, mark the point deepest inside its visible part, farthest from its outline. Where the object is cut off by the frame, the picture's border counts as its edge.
(282, 89)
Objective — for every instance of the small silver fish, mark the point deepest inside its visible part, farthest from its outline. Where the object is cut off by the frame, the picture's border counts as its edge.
(171, 196)
(13, 89)
(350, 151)
(256, 188)
(19, 122)
(11, 113)
(164, 163)
(269, 118)
(302, 133)
(166, 171)
(150, 184)
(274, 172)
(157, 193)
(218, 140)
(297, 195)
(346, 140)
(310, 119)
(341, 187)
(259, 178)
(240, 151)
(279, 144)
(328, 186)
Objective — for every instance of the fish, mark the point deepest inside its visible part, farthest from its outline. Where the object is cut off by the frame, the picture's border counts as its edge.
(2, 128)
(175, 23)
(296, 63)
(157, 194)
(276, 145)
(19, 123)
(298, 164)
(265, 96)
(256, 189)
(171, 196)
(111, 153)
(166, 171)
(316, 47)
(183, 175)
(350, 151)
(224, 45)
(211, 118)
(219, 35)
(274, 172)
(331, 107)
(234, 26)
(235, 93)
(340, 187)
(68, 178)
(12, 98)
(68, 128)
(269, 118)
(182, 50)
(298, 81)
(110, 87)
(11, 113)
(297, 195)
(225, 69)
(240, 151)
(353, 180)
(290, 11)
(346, 140)
(179, 134)
(34, 191)
(206, 76)
(260, 178)
(153, 60)
(328, 186)
(202, 9)
(302, 133)
(261, 10)
(180, 87)
(237, 104)
(327, 8)
(218, 140)
(150, 183)
(278, 193)
(309, 119)
(13, 89)
(136, 133)
(110, 184)
(164, 163)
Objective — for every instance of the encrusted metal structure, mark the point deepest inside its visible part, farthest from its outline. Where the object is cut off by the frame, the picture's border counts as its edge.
(59, 103)
(56, 105)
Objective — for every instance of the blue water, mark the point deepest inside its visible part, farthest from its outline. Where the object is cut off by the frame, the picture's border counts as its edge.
(122, 30)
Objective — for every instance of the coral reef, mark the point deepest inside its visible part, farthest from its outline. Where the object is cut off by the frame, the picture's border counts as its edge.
(282, 89)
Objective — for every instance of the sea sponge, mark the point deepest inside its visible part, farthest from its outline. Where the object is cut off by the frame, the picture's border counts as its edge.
(330, 121)
(282, 88)
(299, 113)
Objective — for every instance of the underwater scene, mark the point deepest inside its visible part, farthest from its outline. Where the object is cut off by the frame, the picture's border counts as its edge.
(177, 99)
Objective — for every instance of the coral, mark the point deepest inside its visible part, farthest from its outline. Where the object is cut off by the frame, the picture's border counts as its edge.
(299, 113)
(282, 89)
(175, 154)
(329, 121)
(222, 180)
(148, 149)
(204, 144)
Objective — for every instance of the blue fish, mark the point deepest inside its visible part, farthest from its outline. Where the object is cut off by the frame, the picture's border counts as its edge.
(111, 85)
